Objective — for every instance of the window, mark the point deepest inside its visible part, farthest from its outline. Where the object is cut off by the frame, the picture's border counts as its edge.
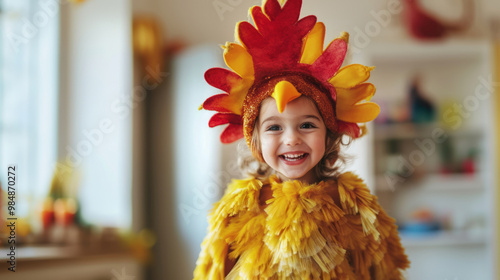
(28, 97)
(48, 116)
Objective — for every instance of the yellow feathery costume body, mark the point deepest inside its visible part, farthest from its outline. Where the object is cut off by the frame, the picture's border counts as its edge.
(334, 229)
(301, 234)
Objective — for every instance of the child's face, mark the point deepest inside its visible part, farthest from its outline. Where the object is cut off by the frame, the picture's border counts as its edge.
(292, 142)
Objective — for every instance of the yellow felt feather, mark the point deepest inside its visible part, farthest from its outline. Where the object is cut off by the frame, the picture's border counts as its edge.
(351, 75)
(239, 60)
(313, 44)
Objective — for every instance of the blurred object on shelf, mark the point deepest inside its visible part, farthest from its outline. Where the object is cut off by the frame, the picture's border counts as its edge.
(64, 182)
(469, 163)
(151, 51)
(425, 222)
(417, 228)
(446, 118)
(65, 211)
(393, 153)
(415, 107)
(452, 163)
(422, 222)
(60, 210)
(393, 111)
(23, 229)
(424, 215)
(399, 112)
(148, 45)
(422, 24)
(447, 157)
(140, 244)
(47, 213)
(422, 109)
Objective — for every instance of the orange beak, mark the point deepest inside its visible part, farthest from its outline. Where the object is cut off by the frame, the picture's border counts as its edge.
(284, 92)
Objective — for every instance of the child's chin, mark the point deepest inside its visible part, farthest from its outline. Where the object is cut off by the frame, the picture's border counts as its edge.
(292, 176)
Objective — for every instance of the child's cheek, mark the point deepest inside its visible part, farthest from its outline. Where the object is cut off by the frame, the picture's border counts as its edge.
(267, 148)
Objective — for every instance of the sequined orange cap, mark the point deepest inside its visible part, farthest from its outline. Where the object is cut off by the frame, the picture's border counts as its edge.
(283, 57)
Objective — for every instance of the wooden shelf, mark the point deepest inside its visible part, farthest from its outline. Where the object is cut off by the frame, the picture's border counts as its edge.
(409, 131)
(437, 182)
(57, 253)
(70, 262)
(441, 238)
(424, 52)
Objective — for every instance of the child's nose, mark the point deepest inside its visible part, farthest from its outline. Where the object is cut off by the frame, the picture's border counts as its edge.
(292, 138)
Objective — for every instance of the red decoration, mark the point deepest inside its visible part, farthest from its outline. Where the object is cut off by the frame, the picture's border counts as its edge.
(423, 25)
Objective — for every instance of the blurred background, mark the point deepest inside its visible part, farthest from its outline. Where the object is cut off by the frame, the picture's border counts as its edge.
(113, 169)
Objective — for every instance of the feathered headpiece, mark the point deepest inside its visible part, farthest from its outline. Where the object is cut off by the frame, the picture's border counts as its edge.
(283, 57)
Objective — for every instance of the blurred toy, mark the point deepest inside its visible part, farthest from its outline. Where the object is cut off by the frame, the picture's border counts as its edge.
(422, 222)
(65, 211)
(423, 25)
(469, 163)
(393, 153)
(62, 193)
(148, 45)
(422, 109)
(140, 244)
(60, 210)
(468, 166)
(47, 213)
(447, 157)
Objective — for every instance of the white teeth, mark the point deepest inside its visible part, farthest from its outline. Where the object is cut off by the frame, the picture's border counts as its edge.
(293, 156)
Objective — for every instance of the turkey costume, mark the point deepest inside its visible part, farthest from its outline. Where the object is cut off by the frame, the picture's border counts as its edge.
(273, 229)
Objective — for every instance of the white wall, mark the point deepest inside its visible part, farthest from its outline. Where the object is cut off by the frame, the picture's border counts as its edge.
(214, 20)
(95, 125)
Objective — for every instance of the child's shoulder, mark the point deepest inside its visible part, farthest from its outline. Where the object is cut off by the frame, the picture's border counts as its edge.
(350, 181)
(353, 191)
(356, 199)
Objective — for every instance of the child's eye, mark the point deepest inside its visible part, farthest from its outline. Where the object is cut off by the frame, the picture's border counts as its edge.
(273, 128)
(308, 125)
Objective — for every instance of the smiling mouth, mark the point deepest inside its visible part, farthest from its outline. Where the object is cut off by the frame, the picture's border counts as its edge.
(293, 157)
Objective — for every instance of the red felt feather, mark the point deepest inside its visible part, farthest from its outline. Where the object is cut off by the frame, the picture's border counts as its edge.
(276, 44)
(260, 19)
(216, 103)
(330, 60)
(290, 12)
(233, 131)
(221, 78)
(225, 118)
(272, 8)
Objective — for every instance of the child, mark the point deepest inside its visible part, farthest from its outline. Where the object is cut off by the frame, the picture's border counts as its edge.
(293, 104)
